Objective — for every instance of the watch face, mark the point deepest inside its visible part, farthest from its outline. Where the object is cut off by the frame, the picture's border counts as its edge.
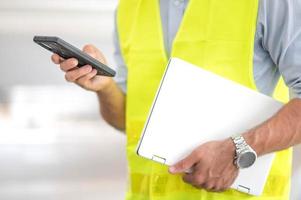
(246, 159)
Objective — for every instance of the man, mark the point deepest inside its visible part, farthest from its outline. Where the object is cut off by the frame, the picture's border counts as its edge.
(251, 42)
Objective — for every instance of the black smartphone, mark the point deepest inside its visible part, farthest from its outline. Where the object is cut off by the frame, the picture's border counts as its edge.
(66, 50)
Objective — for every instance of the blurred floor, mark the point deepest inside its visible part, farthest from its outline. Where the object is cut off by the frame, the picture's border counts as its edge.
(55, 146)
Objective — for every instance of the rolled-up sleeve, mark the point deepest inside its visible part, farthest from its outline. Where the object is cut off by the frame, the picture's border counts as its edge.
(282, 39)
(121, 69)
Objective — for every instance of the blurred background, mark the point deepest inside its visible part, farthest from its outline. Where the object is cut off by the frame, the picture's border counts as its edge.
(53, 143)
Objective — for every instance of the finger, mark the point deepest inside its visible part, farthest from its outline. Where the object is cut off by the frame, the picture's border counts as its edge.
(90, 49)
(94, 52)
(68, 64)
(219, 187)
(75, 74)
(209, 186)
(188, 178)
(195, 179)
(184, 165)
(83, 80)
(57, 59)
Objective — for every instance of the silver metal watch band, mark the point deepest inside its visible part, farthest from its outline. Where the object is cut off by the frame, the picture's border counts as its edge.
(242, 148)
(240, 143)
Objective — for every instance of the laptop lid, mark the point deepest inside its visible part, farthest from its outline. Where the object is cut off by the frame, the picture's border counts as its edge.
(194, 106)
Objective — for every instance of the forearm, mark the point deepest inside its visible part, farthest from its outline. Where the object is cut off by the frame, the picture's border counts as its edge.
(281, 131)
(112, 105)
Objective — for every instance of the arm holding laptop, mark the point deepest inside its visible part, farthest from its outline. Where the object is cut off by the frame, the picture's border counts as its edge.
(213, 162)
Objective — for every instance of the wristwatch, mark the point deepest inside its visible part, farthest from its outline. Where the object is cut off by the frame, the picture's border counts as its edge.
(245, 156)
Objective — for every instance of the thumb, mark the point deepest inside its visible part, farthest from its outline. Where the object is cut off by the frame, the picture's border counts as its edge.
(94, 52)
(90, 49)
(184, 165)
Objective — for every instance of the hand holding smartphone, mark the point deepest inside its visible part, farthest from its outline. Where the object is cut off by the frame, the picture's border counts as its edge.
(66, 51)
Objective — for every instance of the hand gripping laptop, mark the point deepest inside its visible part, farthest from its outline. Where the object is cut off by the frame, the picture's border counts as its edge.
(217, 108)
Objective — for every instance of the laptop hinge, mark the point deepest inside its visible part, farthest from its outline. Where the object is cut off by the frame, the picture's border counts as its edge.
(159, 159)
(244, 189)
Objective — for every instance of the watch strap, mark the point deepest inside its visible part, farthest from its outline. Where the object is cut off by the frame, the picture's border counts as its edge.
(241, 146)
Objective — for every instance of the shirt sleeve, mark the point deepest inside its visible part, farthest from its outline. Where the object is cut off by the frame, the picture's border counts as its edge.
(121, 69)
(282, 39)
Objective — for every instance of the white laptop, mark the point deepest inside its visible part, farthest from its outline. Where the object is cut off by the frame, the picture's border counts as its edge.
(193, 106)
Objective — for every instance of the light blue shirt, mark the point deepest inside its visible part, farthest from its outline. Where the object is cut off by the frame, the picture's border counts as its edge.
(277, 43)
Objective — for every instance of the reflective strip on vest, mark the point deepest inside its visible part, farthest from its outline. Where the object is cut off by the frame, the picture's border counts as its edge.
(217, 35)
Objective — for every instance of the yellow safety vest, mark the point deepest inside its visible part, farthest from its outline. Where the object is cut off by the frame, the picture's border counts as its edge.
(217, 35)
